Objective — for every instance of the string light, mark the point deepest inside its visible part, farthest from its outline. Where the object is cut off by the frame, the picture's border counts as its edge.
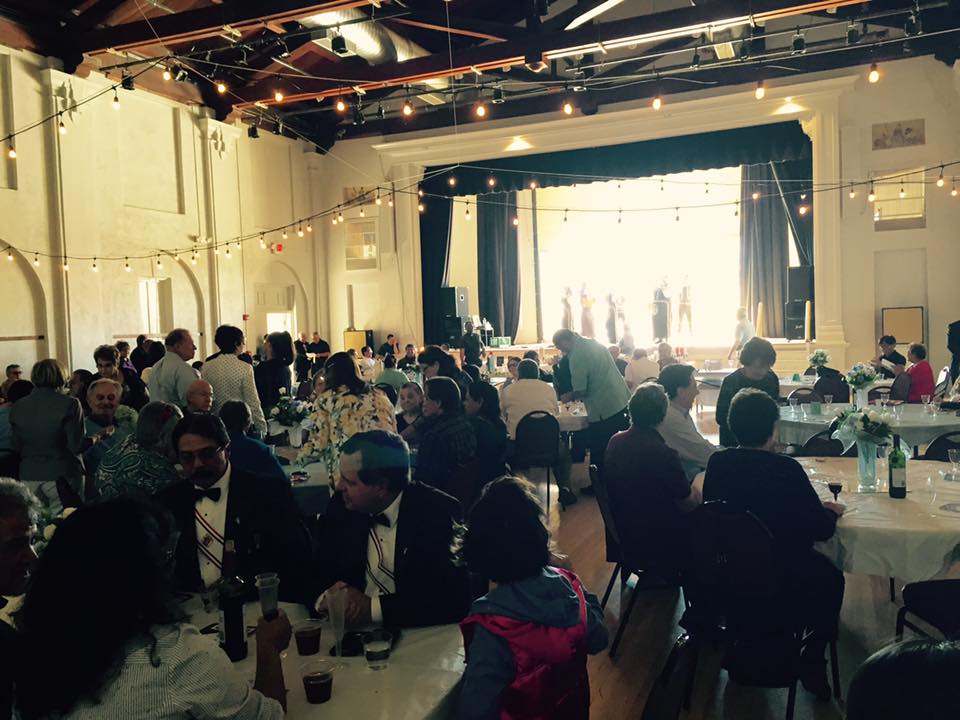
(516, 221)
(116, 100)
(676, 210)
(533, 184)
(419, 192)
(12, 152)
(66, 265)
(619, 216)
(874, 75)
(284, 234)
(193, 258)
(94, 267)
(362, 213)
(466, 215)
(36, 260)
(227, 253)
(341, 106)
(278, 96)
(567, 106)
(9, 254)
(166, 75)
(221, 87)
(300, 227)
(736, 208)
(407, 108)
(565, 215)
(126, 264)
(452, 181)
(853, 192)
(940, 179)
(953, 190)
(421, 207)
(61, 128)
(378, 200)
(160, 264)
(309, 228)
(760, 90)
(706, 188)
(263, 243)
(802, 209)
(872, 195)
(216, 250)
(657, 102)
(390, 201)
(334, 221)
(902, 194)
(755, 195)
(491, 181)
(480, 110)
(340, 217)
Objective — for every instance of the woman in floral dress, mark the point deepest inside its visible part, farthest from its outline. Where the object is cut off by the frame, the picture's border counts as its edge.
(347, 405)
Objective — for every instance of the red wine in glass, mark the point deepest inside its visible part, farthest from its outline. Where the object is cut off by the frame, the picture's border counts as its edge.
(835, 488)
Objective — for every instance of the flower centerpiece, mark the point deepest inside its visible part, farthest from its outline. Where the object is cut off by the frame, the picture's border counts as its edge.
(818, 358)
(859, 377)
(868, 429)
(291, 414)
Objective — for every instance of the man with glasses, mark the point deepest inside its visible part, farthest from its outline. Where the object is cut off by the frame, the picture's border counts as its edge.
(107, 358)
(14, 373)
(218, 502)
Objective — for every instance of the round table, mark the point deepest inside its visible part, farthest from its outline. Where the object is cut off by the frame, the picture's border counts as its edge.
(915, 426)
(912, 539)
(572, 417)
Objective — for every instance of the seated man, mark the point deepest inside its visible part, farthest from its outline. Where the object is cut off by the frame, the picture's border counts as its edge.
(387, 540)
(218, 503)
(677, 427)
(895, 362)
(649, 492)
(409, 358)
(640, 368)
(447, 439)
(776, 489)
(390, 347)
(199, 397)
(246, 452)
(547, 377)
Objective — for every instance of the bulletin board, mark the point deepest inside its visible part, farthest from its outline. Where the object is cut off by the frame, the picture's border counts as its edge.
(906, 324)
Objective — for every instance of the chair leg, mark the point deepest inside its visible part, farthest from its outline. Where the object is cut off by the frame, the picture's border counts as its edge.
(835, 669)
(688, 691)
(613, 579)
(791, 700)
(901, 617)
(893, 591)
(623, 622)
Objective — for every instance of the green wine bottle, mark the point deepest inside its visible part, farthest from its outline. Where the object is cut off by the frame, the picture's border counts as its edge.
(897, 463)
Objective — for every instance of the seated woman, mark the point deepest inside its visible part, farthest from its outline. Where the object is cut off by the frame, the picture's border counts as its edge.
(482, 407)
(776, 489)
(142, 464)
(920, 372)
(447, 440)
(513, 367)
(411, 406)
(129, 655)
(435, 362)
(527, 639)
(907, 680)
(347, 405)
(756, 360)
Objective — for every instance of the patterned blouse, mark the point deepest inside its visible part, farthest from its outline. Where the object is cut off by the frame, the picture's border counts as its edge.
(339, 416)
(129, 470)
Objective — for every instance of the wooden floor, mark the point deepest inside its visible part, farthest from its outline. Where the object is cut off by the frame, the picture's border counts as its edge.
(620, 687)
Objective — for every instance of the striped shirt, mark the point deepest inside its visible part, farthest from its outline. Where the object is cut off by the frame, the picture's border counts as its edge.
(186, 677)
(232, 379)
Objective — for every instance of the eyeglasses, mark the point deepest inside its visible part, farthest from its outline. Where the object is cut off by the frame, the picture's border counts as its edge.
(203, 455)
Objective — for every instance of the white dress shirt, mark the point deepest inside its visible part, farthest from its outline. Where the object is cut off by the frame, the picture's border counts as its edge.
(170, 379)
(639, 370)
(526, 396)
(211, 520)
(232, 379)
(381, 547)
(680, 433)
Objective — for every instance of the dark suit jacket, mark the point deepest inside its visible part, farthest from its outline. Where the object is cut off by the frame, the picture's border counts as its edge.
(48, 433)
(262, 520)
(431, 590)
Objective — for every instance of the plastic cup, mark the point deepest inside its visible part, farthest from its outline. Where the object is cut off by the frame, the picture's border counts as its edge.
(793, 405)
(828, 399)
(815, 408)
(307, 634)
(376, 648)
(925, 399)
(317, 681)
(268, 587)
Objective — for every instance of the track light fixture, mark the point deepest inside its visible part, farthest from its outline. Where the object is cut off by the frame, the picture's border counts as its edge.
(253, 132)
(497, 96)
(798, 45)
(853, 33)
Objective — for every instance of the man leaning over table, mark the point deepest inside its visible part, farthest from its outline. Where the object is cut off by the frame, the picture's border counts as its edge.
(387, 541)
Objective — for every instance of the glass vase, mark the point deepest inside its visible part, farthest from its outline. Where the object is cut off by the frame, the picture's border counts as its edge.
(861, 399)
(866, 466)
(295, 436)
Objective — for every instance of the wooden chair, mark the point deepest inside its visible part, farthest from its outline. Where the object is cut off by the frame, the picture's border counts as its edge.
(805, 395)
(937, 450)
(833, 385)
(537, 445)
(900, 390)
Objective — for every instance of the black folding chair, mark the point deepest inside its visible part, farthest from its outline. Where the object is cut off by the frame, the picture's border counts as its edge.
(537, 445)
(732, 580)
(805, 395)
(821, 445)
(938, 449)
(833, 385)
(943, 383)
(936, 602)
(672, 689)
(812, 370)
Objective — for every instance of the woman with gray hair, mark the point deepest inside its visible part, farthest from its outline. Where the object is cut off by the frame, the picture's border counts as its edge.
(143, 464)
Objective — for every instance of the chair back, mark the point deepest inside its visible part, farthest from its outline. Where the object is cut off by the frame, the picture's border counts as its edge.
(669, 690)
(536, 441)
(603, 500)
(304, 390)
(943, 383)
(835, 385)
(900, 390)
(937, 450)
(732, 563)
(880, 394)
(812, 370)
(805, 395)
(465, 483)
(821, 445)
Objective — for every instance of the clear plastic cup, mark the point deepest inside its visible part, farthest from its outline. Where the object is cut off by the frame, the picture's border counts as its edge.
(376, 648)
(828, 399)
(794, 402)
(268, 587)
(307, 635)
(318, 680)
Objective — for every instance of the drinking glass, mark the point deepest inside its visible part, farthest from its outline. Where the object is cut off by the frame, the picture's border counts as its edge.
(337, 607)
(836, 487)
(376, 648)
(898, 411)
(882, 451)
(954, 455)
(793, 405)
(318, 680)
(925, 399)
(828, 400)
(268, 587)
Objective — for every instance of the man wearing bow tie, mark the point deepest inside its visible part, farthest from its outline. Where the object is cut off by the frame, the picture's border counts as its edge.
(388, 540)
(218, 502)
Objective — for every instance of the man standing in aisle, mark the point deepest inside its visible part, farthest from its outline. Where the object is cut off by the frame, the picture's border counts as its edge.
(172, 376)
(595, 380)
(471, 346)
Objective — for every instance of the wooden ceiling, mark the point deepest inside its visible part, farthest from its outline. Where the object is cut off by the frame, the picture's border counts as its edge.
(279, 69)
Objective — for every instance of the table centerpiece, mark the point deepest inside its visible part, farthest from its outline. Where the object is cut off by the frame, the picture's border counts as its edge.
(868, 429)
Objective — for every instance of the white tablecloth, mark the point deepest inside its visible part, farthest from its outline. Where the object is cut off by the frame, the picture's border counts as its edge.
(313, 494)
(915, 425)
(911, 539)
(572, 417)
(422, 680)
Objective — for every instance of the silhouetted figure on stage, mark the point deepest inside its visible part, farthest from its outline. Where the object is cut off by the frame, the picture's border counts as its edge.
(684, 307)
(661, 313)
(586, 312)
(566, 322)
(611, 320)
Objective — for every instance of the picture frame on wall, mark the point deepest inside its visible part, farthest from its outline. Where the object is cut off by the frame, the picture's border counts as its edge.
(902, 133)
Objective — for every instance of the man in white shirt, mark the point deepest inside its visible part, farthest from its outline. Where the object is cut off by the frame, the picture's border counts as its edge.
(172, 375)
(527, 394)
(677, 428)
(640, 368)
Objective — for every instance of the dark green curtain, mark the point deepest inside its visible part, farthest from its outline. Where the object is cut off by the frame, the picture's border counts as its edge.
(794, 181)
(498, 270)
(764, 256)
(435, 226)
(702, 151)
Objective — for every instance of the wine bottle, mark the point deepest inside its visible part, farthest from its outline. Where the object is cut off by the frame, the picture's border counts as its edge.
(233, 632)
(897, 464)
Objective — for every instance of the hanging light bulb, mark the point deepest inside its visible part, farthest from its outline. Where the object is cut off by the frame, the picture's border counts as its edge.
(565, 215)
(953, 190)
(533, 184)
(736, 208)
(126, 264)
(802, 209)
(334, 221)
(216, 249)
(480, 109)
(160, 264)
(284, 234)
(619, 217)
(362, 213)
(853, 192)
(36, 260)
(407, 108)
(872, 195)
(340, 105)
(166, 75)
(300, 227)
(706, 188)
(94, 267)
(66, 265)
(390, 201)
(755, 195)
(278, 96)
(9, 254)
(116, 100)
(940, 179)
(12, 152)
(902, 194)
(221, 87)
(378, 200)
(466, 214)
(516, 221)
(452, 181)
(263, 242)
(340, 216)
(874, 75)
(567, 106)
(676, 214)
(421, 207)
(193, 258)
(227, 253)
(760, 90)
(61, 128)
(657, 102)
(491, 181)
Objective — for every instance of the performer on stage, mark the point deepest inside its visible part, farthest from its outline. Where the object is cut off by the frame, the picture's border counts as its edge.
(661, 313)
(586, 312)
(566, 321)
(685, 306)
(611, 319)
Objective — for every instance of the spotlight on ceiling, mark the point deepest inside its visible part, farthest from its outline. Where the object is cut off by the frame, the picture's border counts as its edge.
(252, 132)
(799, 44)
(912, 26)
(853, 34)
(339, 45)
(497, 96)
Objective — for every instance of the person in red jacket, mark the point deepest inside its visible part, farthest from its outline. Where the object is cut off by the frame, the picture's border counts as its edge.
(527, 639)
(920, 372)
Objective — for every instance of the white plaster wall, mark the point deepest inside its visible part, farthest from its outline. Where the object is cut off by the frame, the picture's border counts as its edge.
(148, 179)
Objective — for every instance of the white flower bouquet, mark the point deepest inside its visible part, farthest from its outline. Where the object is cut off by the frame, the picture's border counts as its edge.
(818, 358)
(290, 412)
(861, 375)
(865, 426)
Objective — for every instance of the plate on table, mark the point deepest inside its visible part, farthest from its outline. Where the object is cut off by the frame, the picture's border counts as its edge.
(951, 507)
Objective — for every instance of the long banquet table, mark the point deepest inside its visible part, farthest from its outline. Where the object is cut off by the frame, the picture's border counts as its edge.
(915, 425)
(421, 681)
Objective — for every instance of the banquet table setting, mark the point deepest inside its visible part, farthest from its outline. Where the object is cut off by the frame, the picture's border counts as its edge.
(420, 681)
(916, 424)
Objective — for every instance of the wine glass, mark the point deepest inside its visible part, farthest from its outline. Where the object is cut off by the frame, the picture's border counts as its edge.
(793, 404)
(828, 400)
(336, 607)
(925, 399)
(835, 487)
(954, 455)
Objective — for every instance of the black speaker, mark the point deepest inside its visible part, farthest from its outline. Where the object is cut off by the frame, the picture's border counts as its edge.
(800, 284)
(794, 319)
(453, 329)
(455, 301)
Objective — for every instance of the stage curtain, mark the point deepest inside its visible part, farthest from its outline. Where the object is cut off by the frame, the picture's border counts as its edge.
(764, 257)
(498, 275)
(794, 179)
(435, 227)
(702, 151)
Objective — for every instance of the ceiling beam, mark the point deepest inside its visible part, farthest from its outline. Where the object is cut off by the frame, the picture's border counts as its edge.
(672, 23)
(97, 14)
(34, 11)
(205, 22)
(480, 29)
